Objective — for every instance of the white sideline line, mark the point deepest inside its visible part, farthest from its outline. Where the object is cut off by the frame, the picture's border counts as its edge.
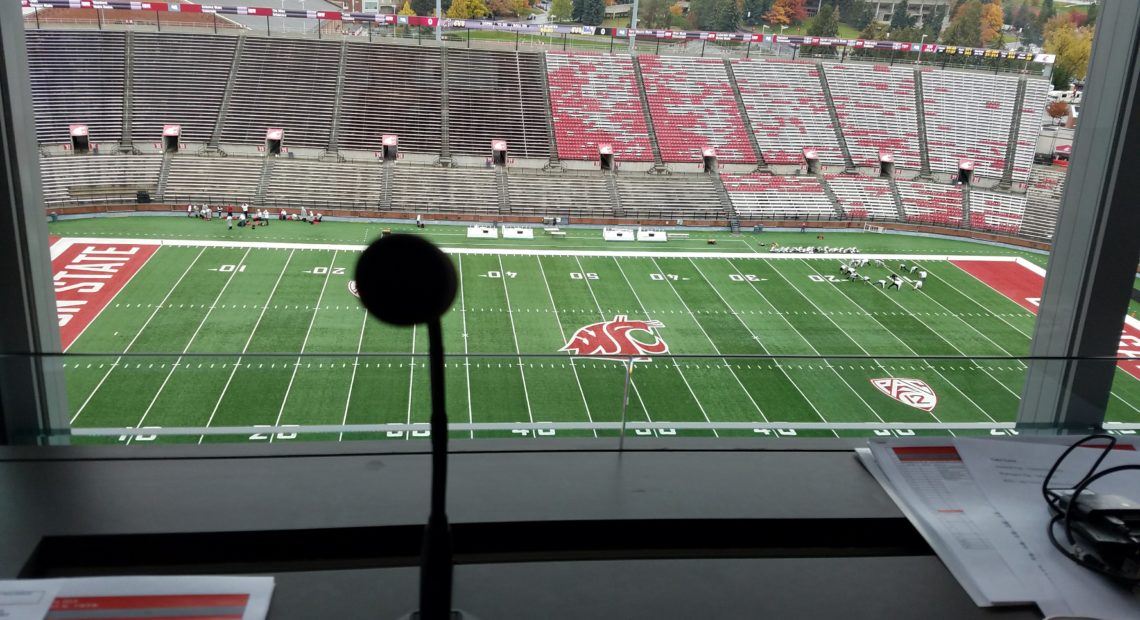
(119, 359)
(508, 426)
(248, 340)
(305, 343)
(268, 245)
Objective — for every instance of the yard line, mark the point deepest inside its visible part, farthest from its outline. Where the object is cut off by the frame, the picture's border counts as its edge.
(136, 337)
(411, 380)
(466, 353)
(248, 340)
(1015, 328)
(629, 373)
(562, 332)
(304, 343)
(904, 344)
(190, 342)
(673, 288)
(672, 359)
(515, 335)
(827, 363)
(352, 379)
(853, 341)
(954, 346)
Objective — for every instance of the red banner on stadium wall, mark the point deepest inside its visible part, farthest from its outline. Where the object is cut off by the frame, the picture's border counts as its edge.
(87, 277)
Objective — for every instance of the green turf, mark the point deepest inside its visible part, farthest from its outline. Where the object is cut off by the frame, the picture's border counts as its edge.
(276, 340)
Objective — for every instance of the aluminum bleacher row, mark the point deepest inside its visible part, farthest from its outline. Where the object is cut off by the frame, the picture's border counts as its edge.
(931, 204)
(496, 95)
(594, 100)
(677, 196)
(863, 197)
(96, 179)
(693, 106)
(178, 79)
(77, 78)
(876, 110)
(80, 77)
(760, 195)
(788, 110)
(969, 116)
(996, 212)
(1042, 199)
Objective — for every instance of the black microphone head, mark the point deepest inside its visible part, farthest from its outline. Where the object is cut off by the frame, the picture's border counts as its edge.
(405, 280)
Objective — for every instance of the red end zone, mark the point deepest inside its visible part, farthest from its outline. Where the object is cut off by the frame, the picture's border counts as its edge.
(1024, 287)
(87, 277)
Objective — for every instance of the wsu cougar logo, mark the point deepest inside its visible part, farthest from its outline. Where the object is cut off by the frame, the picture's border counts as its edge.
(615, 339)
(911, 392)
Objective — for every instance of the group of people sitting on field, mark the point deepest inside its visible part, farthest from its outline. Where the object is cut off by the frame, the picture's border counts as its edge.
(850, 270)
(305, 215)
(811, 249)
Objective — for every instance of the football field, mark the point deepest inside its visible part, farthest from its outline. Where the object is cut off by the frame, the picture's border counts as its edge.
(249, 333)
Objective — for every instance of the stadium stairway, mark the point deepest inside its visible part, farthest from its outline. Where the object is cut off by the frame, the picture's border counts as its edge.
(163, 175)
(611, 187)
(658, 161)
(445, 140)
(1006, 181)
(554, 164)
(966, 204)
(761, 164)
(502, 191)
(386, 185)
(725, 201)
(330, 153)
(263, 182)
(848, 162)
(920, 113)
(835, 204)
(216, 137)
(897, 198)
(125, 143)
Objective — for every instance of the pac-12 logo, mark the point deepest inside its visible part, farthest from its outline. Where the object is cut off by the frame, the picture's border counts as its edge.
(617, 338)
(911, 392)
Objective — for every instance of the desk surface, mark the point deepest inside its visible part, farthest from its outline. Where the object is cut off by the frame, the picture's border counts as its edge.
(817, 533)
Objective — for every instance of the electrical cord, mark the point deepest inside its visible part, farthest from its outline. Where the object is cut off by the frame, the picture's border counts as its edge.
(1065, 516)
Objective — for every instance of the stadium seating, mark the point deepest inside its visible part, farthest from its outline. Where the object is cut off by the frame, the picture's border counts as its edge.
(493, 94)
(931, 203)
(564, 195)
(314, 183)
(1042, 200)
(178, 79)
(423, 189)
(683, 196)
(1032, 113)
(864, 197)
(77, 78)
(74, 179)
(692, 106)
(287, 83)
(968, 116)
(996, 212)
(788, 110)
(594, 100)
(391, 89)
(213, 179)
(876, 109)
(759, 195)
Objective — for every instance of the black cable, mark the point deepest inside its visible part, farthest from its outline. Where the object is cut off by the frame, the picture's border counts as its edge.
(1051, 499)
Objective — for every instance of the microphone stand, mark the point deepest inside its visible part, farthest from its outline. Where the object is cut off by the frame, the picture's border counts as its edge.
(436, 560)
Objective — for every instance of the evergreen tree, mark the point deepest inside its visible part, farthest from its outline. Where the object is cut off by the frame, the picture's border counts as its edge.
(825, 23)
(424, 8)
(653, 14)
(932, 24)
(900, 17)
(1092, 14)
(754, 11)
(861, 14)
(593, 12)
(576, 10)
(727, 15)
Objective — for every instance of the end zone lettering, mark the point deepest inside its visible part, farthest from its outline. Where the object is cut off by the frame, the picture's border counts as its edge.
(87, 277)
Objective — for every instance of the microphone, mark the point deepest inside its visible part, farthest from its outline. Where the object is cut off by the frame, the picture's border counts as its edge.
(406, 280)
